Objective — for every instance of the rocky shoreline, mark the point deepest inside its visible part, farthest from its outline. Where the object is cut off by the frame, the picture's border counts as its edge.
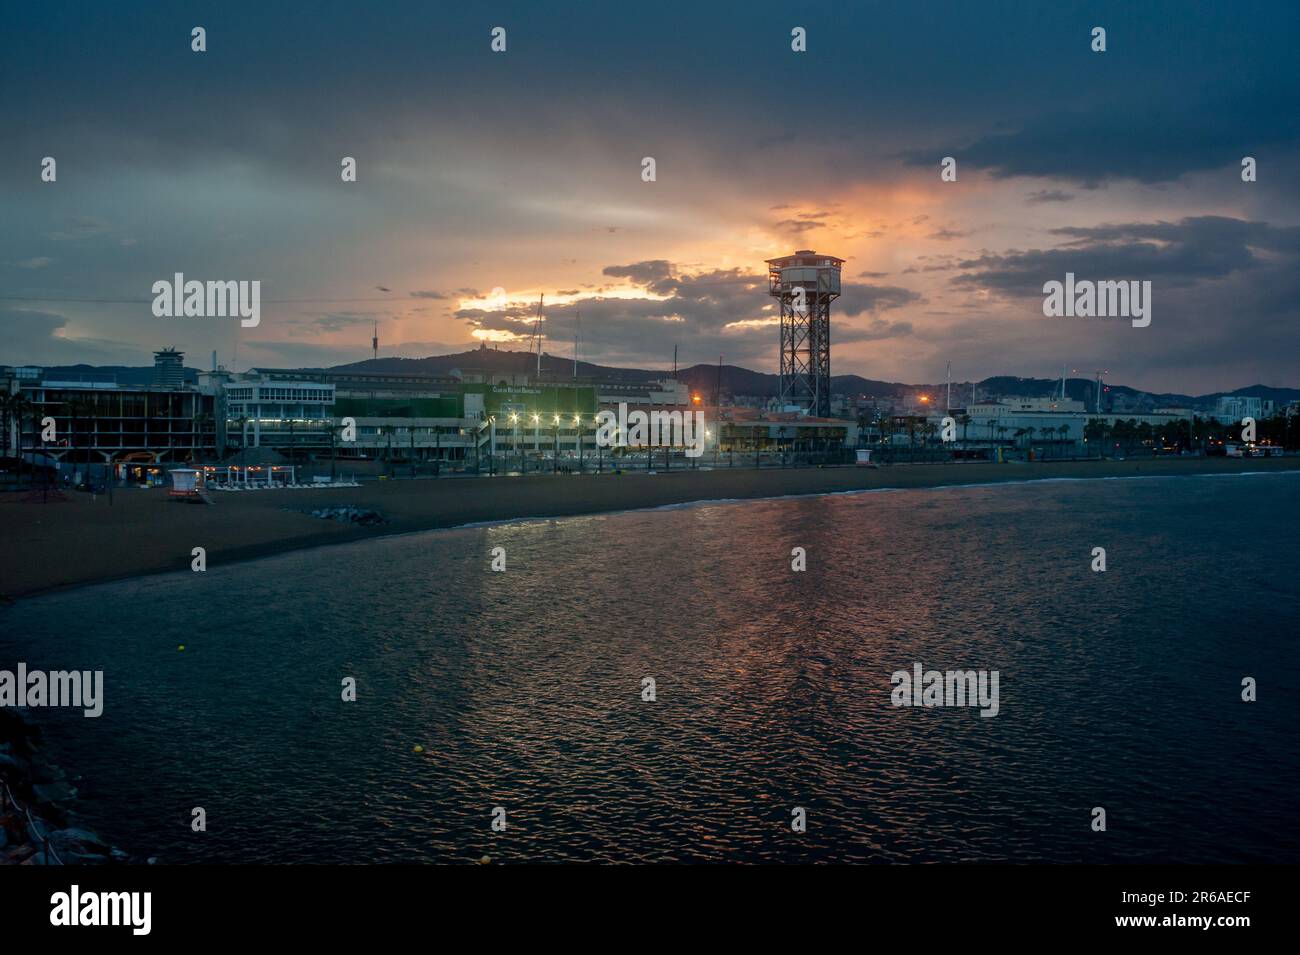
(37, 805)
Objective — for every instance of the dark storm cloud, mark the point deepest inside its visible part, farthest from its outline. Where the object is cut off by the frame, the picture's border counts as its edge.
(618, 330)
(30, 324)
(1180, 253)
(1224, 293)
(1202, 232)
(857, 298)
(42, 337)
(1177, 90)
(77, 228)
(694, 308)
(933, 263)
(874, 330)
(1049, 195)
(1214, 332)
(723, 310)
(1051, 147)
(641, 273)
(709, 299)
(331, 322)
(230, 159)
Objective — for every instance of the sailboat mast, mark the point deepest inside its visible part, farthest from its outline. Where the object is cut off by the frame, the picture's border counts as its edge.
(537, 333)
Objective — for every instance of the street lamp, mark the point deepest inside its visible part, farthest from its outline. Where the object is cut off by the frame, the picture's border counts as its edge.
(577, 425)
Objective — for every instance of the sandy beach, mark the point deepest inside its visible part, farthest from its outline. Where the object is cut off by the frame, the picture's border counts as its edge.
(75, 539)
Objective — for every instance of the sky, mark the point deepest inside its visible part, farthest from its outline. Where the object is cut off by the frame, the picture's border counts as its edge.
(522, 171)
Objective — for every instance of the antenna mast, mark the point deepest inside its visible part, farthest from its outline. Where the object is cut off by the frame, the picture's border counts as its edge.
(537, 334)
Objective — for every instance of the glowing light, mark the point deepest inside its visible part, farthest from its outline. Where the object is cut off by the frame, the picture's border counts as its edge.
(525, 303)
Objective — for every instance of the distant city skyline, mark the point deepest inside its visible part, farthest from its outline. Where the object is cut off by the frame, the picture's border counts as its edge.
(556, 368)
(479, 170)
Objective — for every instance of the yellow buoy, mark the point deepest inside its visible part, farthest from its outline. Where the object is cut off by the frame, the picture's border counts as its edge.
(181, 647)
(486, 860)
(417, 748)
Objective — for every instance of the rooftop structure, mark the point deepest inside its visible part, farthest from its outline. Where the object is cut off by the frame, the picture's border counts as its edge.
(168, 368)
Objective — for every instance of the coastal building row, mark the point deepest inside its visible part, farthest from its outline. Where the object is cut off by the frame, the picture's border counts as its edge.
(1049, 425)
(138, 429)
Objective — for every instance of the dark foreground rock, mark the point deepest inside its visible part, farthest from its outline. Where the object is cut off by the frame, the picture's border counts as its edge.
(38, 805)
(350, 514)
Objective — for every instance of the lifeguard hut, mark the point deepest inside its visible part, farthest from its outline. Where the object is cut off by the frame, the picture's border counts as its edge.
(187, 484)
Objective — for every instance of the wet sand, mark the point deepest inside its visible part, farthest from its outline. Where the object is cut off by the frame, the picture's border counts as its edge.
(79, 540)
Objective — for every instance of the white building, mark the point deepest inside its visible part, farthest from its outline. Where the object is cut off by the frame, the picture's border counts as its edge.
(1235, 407)
(1047, 423)
(263, 411)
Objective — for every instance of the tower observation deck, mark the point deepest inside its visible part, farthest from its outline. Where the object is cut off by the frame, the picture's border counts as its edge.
(805, 284)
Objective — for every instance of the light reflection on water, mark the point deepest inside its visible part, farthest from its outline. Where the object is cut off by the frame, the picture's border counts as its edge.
(1118, 689)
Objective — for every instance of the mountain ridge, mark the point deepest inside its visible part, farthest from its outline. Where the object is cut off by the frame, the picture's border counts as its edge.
(702, 378)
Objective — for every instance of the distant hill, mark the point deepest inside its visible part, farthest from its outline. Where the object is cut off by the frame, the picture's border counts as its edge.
(485, 360)
(704, 379)
(122, 374)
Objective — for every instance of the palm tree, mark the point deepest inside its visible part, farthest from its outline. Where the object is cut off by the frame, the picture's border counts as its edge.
(200, 422)
(1145, 433)
(77, 409)
(885, 425)
(1119, 431)
(5, 399)
(1063, 431)
(334, 430)
(964, 420)
(242, 421)
(8, 403)
(25, 407)
(1094, 432)
(18, 406)
(387, 429)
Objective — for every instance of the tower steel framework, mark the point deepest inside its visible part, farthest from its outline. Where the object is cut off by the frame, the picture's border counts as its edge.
(805, 284)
